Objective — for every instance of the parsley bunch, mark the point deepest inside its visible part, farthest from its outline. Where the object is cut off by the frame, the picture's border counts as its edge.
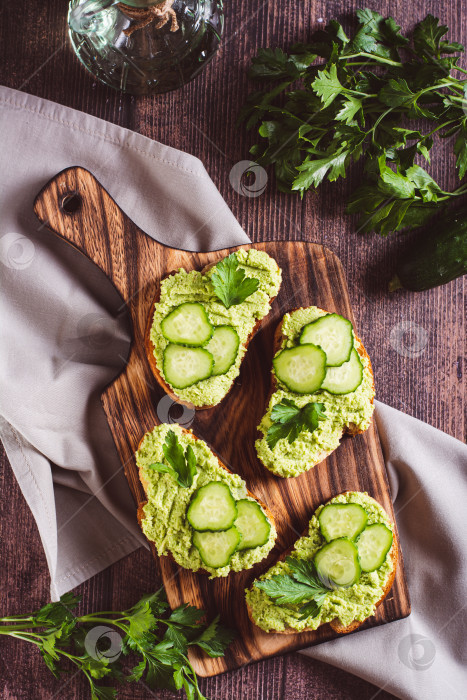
(160, 640)
(300, 585)
(376, 95)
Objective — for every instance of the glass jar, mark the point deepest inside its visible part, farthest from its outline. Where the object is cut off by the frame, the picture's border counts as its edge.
(108, 39)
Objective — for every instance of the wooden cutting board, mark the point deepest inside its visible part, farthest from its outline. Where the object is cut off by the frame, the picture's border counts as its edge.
(76, 207)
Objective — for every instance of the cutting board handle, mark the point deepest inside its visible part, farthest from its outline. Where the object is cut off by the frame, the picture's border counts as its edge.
(73, 204)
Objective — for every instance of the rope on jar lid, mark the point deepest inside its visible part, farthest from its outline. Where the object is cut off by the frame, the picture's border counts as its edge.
(162, 12)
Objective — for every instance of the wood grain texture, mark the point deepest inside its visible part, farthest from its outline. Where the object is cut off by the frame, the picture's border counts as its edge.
(311, 274)
(200, 119)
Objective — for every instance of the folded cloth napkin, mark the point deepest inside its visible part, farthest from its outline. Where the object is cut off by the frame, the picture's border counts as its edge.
(63, 335)
(63, 331)
(423, 657)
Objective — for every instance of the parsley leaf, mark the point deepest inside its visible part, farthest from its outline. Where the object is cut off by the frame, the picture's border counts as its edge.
(284, 589)
(289, 420)
(215, 639)
(327, 85)
(182, 465)
(300, 585)
(313, 172)
(186, 615)
(58, 613)
(349, 109)
(274, 63)
(230, 284)
(427, 38)
(396, 93)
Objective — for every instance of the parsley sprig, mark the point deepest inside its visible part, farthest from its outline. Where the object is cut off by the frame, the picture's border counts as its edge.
(300, 585)
(230, 284)
(377, 95)
(159, 639)
(181, 465)
(288, 420)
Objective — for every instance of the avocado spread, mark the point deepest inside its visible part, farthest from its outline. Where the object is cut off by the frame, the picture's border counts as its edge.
(165, 522)
(347, 604)
(193, 286)
(291, 459)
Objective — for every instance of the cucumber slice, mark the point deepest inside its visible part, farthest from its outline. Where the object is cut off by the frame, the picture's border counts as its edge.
(252, 524)
(342, 520)
(223, 346)
(186, 366)
(187, 324)
(216, 548)
(334, 334)
(346, 378)
(337, 563)
(301, 369)
(212, 508)
(373, 545)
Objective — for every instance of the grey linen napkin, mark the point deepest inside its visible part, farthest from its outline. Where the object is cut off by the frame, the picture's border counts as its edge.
(63, 333)
(423, 657)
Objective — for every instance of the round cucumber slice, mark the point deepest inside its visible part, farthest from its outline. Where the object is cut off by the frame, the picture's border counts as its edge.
(342, 520)
(337, 563)
(186, 366)
(187, 324)
(301, 369)
(346, 378)
(212, 508)
(252, 524)
(216, 548)
(223, 346)
(333, 333)
(373, 545)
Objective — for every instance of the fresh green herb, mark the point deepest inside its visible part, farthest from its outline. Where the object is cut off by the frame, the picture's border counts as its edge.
(159, 639)
(300, 585)
(370, 96)
(181, 466)
(288, 420)
(230, 284)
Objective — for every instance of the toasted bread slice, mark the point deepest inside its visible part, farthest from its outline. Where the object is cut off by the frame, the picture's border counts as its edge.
(336, 624)
(279, 338)
(141, 514)
(149, 348)
(351, 429)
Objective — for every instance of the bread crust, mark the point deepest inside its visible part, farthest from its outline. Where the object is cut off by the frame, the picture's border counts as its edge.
(140, 511)
(149, 348)
(336, 625)
(350, 429)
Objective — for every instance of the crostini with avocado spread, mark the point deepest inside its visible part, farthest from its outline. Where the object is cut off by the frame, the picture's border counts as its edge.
(337, 573)
(203, 322)
(198, 511)
(322, 386)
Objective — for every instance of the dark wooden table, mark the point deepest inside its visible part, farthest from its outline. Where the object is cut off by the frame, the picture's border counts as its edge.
(200, 119)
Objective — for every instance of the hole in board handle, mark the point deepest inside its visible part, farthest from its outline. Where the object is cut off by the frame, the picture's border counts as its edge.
(71, 202)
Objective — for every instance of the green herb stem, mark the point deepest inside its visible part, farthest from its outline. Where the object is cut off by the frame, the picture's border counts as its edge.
(6, 629)
(372, 57)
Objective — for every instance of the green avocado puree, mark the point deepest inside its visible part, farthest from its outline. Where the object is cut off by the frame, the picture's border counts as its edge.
(288, 460)
(186, 286)
(165, 522)
(347, 604)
